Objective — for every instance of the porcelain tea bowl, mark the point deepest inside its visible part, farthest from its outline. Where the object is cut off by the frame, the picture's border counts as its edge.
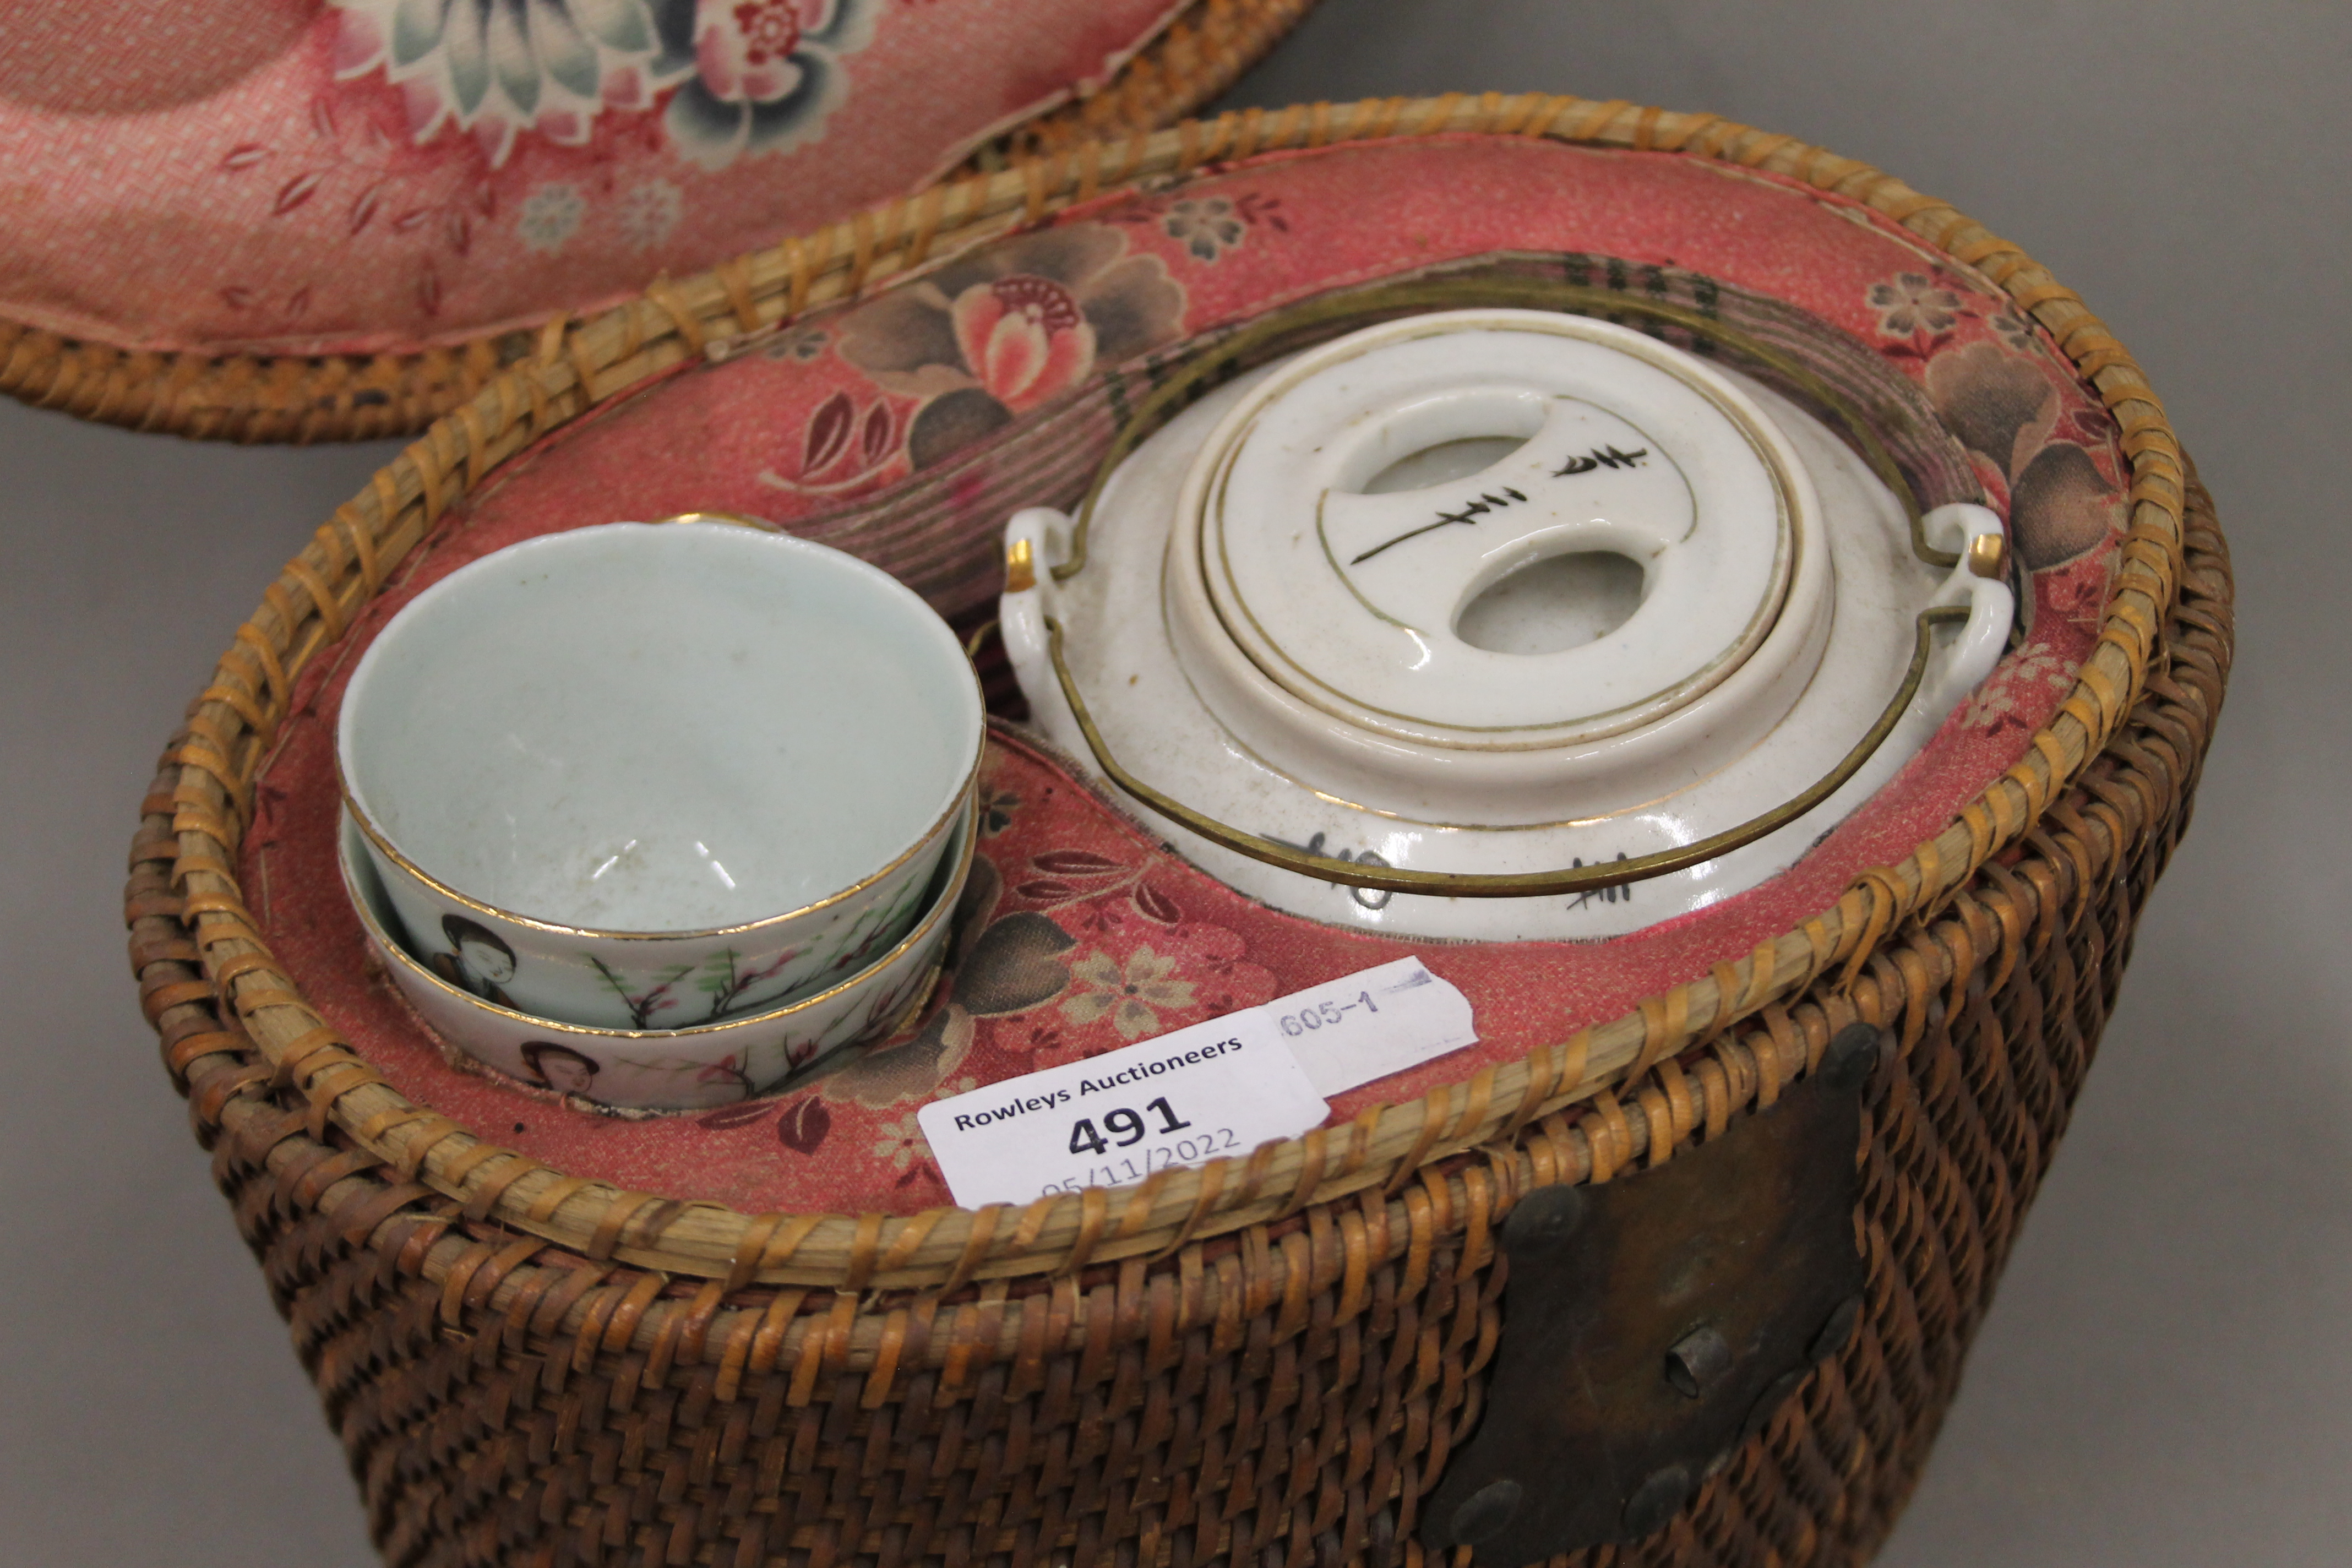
(667, 1069)
(652, 775)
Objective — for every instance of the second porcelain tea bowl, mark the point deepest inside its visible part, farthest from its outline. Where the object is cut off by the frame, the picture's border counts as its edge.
(667, 1069)
(648, 776)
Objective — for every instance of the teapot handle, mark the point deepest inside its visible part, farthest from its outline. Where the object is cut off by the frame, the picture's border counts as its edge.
(1978, 579)
(1037, 537)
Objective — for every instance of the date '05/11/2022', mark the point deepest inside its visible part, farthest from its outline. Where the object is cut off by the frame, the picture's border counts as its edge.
(1127, 1129)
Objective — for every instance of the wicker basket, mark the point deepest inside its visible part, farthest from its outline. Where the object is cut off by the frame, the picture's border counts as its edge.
(1269, 1361)
(240, 396)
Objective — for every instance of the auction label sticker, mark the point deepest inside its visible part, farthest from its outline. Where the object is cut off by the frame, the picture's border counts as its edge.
(1215, 1090)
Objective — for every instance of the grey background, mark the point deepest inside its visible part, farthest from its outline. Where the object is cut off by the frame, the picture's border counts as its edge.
(2167, 1378)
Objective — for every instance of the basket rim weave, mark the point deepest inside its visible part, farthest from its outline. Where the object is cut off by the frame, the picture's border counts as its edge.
(259, 396)
(1865, 946)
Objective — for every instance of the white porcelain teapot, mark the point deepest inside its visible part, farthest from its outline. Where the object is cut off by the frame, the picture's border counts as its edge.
(1498, 623)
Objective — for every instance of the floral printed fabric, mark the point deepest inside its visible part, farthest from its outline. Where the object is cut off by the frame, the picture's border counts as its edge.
(1079, 933)
(745, 76)
(995, 334)
(362, 175)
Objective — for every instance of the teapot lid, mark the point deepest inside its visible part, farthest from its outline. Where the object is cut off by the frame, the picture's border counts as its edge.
(1620, 541)
(1474, 564)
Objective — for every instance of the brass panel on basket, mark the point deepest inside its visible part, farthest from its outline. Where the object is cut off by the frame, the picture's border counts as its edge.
(1652, 1323)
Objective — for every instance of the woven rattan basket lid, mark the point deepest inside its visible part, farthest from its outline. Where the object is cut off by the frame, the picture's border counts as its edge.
(1173, 241)
(283, 219)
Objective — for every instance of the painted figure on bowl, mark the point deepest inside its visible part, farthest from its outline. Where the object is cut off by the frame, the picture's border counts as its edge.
(479, 960)
(559, 1068)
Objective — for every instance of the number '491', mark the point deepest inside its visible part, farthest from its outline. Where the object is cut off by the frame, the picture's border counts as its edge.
(1124, 1125)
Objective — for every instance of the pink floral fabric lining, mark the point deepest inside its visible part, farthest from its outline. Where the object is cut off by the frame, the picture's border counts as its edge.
(372, 176)
(1081, 933)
